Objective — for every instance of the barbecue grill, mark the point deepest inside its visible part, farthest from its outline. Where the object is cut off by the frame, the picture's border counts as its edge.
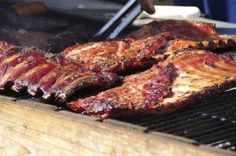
(211, 121)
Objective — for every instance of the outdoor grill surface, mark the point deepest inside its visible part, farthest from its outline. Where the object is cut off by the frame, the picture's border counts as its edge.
(211, 121)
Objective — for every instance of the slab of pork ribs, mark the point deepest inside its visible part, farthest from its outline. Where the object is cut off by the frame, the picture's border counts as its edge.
(89, 64)
(49, 74)
(118, 55)
(55, 75)
(151, 41)
(186, 34)
(188, 76)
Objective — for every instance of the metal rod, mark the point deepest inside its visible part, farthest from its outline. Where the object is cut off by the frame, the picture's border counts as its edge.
(116, 24)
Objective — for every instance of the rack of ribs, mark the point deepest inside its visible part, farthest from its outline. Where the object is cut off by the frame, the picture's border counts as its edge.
(147, 45)
(186, 34)
(189, 30)
(174, 82)
(118, 55)
(46, 74)
(177, 76)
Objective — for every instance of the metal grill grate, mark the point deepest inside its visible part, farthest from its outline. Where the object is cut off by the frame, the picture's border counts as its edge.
(211, 122)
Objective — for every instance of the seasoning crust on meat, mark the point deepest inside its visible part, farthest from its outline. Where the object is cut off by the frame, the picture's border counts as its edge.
(179, 74)
(118, 55)
(189, 75)
(188, 30)
(147, 45)
(51, 74)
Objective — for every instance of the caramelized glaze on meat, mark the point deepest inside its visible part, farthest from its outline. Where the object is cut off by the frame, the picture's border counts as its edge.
(199, 73)
(3, 45)
(177, 80)
(179, 77)
(151, 41)
(117, 55)
(224, 42)
(189, 30)
(50, 74)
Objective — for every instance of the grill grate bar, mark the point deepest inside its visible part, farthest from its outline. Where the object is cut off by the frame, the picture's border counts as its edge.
(231, 140)
(232, 148)
(183, 125)
(170, 116)
(182, 119)
(211, 121)
(183, 114)
(226, 144)
(195, 131)
(204, 130)
(218, 135)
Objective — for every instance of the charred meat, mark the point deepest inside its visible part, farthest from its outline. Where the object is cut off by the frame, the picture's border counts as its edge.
(116, 56)
(187, 76)
(178, 75)
(217, 45)
(189, 30)
(147, 45)
(50, 74)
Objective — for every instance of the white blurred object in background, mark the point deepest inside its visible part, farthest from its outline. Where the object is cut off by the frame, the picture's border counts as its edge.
(174, 12)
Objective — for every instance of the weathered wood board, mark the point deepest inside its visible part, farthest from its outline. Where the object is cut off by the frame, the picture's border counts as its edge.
(31, 128)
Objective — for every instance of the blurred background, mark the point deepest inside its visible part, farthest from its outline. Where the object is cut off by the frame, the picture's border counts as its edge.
(52, 25)
(224, 10)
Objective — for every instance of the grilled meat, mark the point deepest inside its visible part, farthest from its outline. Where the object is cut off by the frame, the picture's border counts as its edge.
(50, 74)
(116, 56)
(223, 43)
(178, 77)
(3, 45)
(149, 42)
(188, 30)
(188, 75)
(186, 34)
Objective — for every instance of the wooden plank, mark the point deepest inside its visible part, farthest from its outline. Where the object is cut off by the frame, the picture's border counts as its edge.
(30, 128)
